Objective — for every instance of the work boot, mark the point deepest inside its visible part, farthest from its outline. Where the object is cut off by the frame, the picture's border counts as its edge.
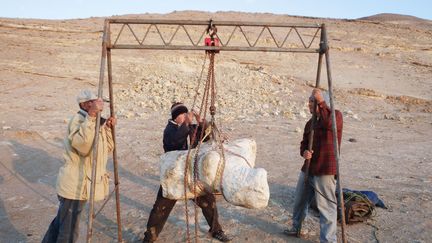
(146, 240)
(221, 236)
(296, 232)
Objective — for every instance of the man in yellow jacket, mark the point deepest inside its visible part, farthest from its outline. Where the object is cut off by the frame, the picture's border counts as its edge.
(74, 178)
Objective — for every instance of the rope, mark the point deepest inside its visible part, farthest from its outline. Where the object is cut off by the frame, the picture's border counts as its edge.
(239, 155)
(203, 110)
(316, 190)
(221, 168)
(364, 198)
(375, 231)
(199, 82)
(187, 170)
(202, 113)
(185, 182)
(209, 92)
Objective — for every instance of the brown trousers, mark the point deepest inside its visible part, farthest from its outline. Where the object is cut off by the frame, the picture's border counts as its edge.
(163, 206)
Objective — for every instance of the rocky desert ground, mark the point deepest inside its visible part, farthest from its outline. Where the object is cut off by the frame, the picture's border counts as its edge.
(382, 74)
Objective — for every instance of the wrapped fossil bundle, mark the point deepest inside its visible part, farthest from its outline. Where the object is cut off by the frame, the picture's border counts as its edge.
(242, 184)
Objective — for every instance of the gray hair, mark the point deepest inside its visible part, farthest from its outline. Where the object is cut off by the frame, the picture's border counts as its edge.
(325, 95)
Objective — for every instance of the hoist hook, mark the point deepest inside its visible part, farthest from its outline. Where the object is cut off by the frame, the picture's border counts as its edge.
(213, 40)
(211, 29)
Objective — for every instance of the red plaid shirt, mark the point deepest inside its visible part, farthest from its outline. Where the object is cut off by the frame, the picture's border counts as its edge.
(323, 160)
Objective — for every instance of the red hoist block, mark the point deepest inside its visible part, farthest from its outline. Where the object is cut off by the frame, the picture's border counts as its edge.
(209, 42)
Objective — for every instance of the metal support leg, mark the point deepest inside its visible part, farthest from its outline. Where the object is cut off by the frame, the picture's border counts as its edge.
(115, 162)
(311, 135)
(96, 138)
(335, 141)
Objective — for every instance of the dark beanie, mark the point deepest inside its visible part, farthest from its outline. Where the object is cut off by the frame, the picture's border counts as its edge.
(177, 109)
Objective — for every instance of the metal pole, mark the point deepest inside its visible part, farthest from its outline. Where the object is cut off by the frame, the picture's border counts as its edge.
(335, 140)
(206, 22)
(314, 116)
(115, 162)
(213, 48)
(96, 139)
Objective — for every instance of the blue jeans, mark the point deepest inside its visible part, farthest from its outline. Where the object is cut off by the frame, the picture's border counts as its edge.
(326, 185)
(65, 226)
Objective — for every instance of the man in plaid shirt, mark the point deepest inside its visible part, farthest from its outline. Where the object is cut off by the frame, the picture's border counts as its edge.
(321, 179)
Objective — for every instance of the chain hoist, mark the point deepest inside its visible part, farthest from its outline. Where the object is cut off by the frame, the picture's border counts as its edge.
(208, 101)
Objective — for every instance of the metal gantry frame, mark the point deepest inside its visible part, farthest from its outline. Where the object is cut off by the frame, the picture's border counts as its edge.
(154, 27)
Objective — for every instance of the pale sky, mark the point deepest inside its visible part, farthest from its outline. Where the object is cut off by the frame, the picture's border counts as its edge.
(67, 9)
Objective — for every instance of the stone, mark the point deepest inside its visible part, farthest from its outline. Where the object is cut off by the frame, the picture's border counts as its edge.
(303, 114)
(242, 183)
(349, 112)
(390, 117)
(129, 114)
(41, 108)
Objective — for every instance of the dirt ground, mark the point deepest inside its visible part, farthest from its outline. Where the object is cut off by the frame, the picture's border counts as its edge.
(382, 74)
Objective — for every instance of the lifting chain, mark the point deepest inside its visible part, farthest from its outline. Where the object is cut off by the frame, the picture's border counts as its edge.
(198, 187)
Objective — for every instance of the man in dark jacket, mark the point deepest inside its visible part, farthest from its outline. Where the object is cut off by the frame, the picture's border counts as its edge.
(321, 179)
(176, 134)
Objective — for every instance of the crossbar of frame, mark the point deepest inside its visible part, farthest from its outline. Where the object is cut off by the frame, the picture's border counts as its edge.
(206, 22)
(167, 44)
(214, 48)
